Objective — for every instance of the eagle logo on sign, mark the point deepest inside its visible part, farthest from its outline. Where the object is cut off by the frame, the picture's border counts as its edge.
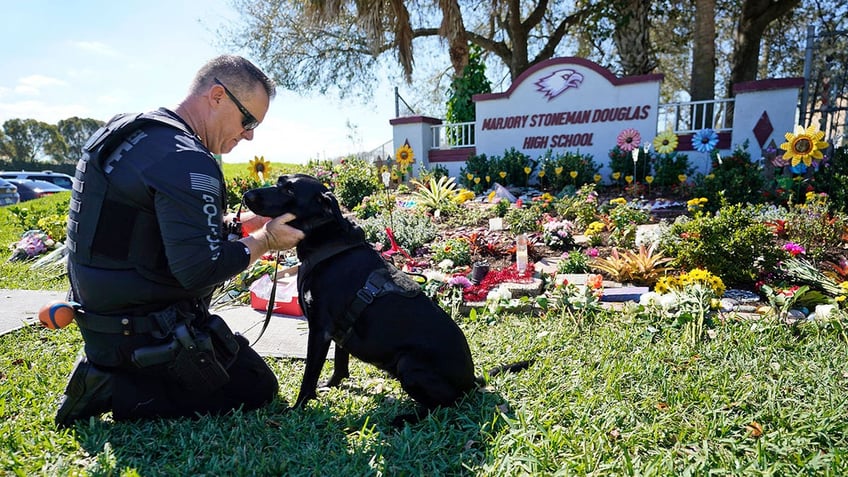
(558, 82)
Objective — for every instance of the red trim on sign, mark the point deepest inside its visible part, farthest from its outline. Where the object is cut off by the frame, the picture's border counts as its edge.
(459, 154)
(684, 141)
(414, 120)
(768, 84)
(568, 60)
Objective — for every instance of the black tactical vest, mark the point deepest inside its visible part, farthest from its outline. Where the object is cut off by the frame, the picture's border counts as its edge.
(104, 232)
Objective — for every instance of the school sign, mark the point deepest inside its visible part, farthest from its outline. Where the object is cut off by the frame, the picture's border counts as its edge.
(566, 104)
(575, 105)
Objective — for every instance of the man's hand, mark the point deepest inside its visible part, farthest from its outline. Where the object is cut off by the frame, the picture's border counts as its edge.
(281, 236)
(275, 234)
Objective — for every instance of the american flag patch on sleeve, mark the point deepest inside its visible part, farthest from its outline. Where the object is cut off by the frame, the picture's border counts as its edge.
(205, 183)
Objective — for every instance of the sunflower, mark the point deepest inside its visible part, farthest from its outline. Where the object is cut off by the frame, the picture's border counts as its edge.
(259, 168)
(665, 142)
(628, 139)
(704, 140)
(804, 145)
(405, 156)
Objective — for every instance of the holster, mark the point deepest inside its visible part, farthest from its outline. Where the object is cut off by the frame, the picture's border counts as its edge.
(197, 355)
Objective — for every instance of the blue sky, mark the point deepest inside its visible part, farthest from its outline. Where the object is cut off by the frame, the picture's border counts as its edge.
(98, 58)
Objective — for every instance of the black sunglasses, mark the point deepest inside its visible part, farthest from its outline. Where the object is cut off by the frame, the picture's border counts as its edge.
(249, 122)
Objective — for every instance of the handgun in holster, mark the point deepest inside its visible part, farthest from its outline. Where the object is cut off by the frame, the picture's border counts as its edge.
(190, 359)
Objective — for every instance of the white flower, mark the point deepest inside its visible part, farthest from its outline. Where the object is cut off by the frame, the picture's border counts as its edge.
(445, 264)
(650, 299)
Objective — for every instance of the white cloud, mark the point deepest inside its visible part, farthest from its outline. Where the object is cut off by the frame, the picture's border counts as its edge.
(33, 84)
(95, 47)
(49, 113)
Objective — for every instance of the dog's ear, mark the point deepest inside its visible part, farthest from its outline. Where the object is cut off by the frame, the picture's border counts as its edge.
(331, 205)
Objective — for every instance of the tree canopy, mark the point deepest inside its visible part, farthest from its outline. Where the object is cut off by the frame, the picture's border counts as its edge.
(341, 47)
(30, 141)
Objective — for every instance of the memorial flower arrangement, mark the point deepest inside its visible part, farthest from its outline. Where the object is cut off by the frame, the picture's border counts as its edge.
(558, 234)
(629, 139)
(665, 142)
(260, 169)
(705, 140)
(688, 299)
(803, 146)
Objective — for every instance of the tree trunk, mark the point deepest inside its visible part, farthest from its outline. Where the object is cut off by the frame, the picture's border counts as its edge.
(702, 86)
(631, 37)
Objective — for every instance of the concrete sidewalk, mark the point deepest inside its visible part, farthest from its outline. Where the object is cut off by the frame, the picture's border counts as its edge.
(284, 338)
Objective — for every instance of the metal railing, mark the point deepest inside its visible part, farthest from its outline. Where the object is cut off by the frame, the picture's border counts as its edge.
(692, 116)
(449, 136)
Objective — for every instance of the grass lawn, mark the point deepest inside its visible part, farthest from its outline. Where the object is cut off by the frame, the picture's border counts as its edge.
(611, 393)
(614, 396)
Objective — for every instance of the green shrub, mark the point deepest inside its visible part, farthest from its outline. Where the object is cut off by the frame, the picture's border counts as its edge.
(624, 219)
(832, 177)
(622, 162)
(812, 226)
(237, 186)
(731, 244)
(735, 178)
(523, 220)
(355, 180)
(582, 207)
(502, 207)
(411, 230)
(668, 167)
(577, 261)
(456, 250)
(478, 166)
(583, 164)
(48, 214)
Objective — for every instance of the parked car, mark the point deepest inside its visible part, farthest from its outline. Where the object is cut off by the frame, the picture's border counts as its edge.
(62, 180)
(8, 193)
(29, 189)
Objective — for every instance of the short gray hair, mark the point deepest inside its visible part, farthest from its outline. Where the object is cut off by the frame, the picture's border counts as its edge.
(239, 74)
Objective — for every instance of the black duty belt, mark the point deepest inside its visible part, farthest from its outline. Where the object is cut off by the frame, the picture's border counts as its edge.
(153, 323)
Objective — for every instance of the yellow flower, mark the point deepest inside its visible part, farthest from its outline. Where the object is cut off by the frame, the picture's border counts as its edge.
(649, 179)
(476, 180)
(405, 156)
(488, 179)
(681, 177)
(665, 142)
(573, 174)
(259, 168)
(628, 179)
(527, 170)
(502, 174)
(804, 145)
(597, 177)
(710, 176)
(618, 201)
(469, 176)
(542, 173)
(558, 170)
(616, 175)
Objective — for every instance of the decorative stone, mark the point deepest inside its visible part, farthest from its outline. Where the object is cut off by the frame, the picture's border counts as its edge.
(624, 293)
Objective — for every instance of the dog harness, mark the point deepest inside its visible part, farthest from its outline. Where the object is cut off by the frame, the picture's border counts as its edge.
(379, 283)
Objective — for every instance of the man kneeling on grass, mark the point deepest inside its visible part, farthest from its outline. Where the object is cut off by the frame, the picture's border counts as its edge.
(147, 247)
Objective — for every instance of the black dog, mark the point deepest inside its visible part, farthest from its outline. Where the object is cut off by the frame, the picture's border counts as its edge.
(370, 309)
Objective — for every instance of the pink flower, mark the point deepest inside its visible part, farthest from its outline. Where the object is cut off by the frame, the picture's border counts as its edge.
(794, 249)
(592, 252)
(460, 280)
(629, 139)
